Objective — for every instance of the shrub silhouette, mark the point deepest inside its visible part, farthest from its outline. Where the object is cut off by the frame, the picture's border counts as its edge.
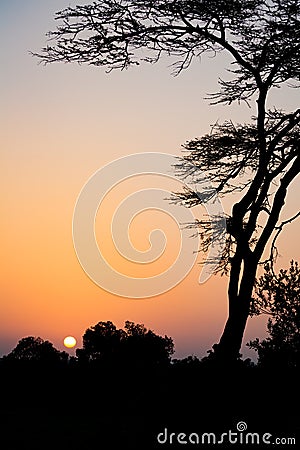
(279, 296)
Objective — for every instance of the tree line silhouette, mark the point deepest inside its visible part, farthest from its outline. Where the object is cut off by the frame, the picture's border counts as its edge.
(103, 344)
(124, 387)
(277, 295)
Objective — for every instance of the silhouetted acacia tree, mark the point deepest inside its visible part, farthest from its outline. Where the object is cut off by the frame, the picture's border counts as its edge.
(257, 160)
(279, 296)
(135, 345)
(35, 349)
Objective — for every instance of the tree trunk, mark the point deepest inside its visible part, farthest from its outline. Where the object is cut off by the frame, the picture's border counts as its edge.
(240, 294)
(230, 343)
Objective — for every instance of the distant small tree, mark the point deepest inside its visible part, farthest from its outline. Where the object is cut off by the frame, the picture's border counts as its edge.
(144, 346)
(135, 345)
(279, 296)
(35, 349)
(101, 342)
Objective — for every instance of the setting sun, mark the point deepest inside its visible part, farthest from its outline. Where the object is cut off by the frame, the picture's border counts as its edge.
(69, 342)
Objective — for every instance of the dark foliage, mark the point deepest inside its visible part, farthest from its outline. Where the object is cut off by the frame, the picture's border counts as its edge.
(110, 406)
(36, 350)
(279, 296)
(100, 342)
(100, 407)
(135, 345)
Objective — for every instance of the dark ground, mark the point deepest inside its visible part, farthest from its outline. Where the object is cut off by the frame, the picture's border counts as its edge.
(72, 408)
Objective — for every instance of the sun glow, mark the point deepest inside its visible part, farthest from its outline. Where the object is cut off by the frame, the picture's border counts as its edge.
(69, 342)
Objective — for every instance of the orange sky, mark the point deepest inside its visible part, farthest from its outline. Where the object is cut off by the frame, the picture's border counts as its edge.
(60, 124)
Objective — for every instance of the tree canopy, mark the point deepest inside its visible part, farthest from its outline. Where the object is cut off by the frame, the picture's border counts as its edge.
(261, 35)
(135, 345)
(36, 349)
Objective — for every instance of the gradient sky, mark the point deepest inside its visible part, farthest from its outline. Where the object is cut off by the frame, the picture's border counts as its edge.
(59, 125)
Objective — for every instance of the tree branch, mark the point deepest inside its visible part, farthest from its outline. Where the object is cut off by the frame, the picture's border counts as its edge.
(273, 250)
(278, 203)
